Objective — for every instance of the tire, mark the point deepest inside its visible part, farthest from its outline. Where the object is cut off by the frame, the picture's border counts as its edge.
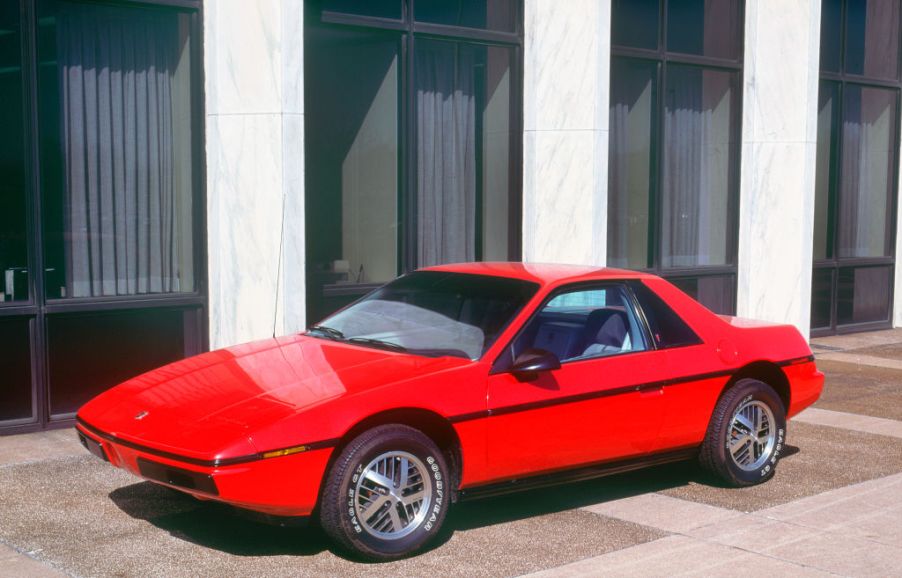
(730, 451)
(398, 522)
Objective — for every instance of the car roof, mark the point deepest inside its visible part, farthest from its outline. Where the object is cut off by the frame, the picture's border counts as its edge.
(542, 273)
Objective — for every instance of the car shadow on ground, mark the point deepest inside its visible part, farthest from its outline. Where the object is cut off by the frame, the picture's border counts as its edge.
(219, 527)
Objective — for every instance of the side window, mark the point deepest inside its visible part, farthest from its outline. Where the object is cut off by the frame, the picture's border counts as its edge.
(584, 323)
(667, 329)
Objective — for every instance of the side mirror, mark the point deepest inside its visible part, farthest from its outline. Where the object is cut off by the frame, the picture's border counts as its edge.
(531, 362)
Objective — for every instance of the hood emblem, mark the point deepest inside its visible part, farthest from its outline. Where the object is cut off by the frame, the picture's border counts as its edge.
(141, 414)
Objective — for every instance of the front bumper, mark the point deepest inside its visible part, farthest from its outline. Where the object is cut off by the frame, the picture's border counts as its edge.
(280, 486)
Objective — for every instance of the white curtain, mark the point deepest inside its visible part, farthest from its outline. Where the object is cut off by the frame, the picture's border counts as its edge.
(121, 215)
(446, 153)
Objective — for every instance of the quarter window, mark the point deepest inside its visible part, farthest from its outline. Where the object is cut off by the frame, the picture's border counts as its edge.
(667, 329)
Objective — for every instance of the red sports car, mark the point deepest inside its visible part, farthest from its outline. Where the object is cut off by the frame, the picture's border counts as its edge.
(461, 381)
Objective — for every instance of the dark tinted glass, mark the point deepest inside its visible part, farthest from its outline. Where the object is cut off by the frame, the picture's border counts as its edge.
(116, 150)
(377, 8)
(868, 167)
(635, 23)
(92, 352)
(872, 38)
(714, 292)
(863, 294)
(704, 27)
(487, 14)
(436, 313)
(821, 298)
(667, 329)
(351, 165)
(15, 370)
(699, 141)
(825, 173)
(831, 35)
(634, 95)
(13, 244)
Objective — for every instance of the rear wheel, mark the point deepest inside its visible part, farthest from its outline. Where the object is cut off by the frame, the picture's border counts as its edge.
(386, 495)
(746, 434)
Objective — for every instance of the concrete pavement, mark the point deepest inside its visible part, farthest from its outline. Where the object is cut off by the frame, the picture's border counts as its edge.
(834, 508)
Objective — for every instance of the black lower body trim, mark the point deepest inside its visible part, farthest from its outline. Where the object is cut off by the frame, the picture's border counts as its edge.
(577, 474)
(177, 477)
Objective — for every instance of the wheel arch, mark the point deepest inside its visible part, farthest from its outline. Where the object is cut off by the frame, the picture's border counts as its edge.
(767, 372)
(433, 425)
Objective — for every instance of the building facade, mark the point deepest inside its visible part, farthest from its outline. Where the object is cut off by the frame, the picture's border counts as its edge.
(180, 175)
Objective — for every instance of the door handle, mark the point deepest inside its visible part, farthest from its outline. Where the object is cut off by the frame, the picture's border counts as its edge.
(651, 390)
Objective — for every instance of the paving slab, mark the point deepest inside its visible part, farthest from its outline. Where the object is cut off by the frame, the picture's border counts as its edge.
(14, 564)
(866, 390)
(663, 512)
(852, 421)
(22, 448)
(859, 358)
(858, 340)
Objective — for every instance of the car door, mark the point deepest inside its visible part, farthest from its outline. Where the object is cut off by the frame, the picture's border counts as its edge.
(603, 403)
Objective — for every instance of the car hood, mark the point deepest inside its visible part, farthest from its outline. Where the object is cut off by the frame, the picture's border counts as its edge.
(208, 406)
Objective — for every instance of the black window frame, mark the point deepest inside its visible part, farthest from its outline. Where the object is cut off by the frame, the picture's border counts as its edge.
(839, 81)
(661, 58)
(407, 31)
(38, 308)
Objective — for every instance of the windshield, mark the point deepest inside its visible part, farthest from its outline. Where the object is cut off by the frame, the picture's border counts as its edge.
(431, 313)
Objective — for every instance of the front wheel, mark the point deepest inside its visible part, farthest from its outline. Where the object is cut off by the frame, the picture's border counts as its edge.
(386, 494)
(746, 434)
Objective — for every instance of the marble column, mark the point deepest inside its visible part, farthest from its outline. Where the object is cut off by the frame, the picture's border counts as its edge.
(897, 285)
(565, 160)
(779, 132)
(253, 55)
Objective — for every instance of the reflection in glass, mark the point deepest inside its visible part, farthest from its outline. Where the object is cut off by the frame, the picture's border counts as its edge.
(15, 369)
(13, 244)
(463, 162)
(633, 102)
(90, 353)
(704, 27)
(351, 163)
(825, 173)
(863, 294)
(486, 14)
(634, 23)
(868, 145)
(872, 38)
(698, 141)
(116, 150)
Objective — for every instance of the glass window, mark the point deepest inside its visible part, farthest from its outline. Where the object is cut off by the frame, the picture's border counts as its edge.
(872, 38)
(15, 367)
(698, 146)
(704, 27)
(667, 328)
(863, 294)
(582, 324)
(351, 163)
(633, 105)
(377, 8)
(14, 282)
(116, 144)
(822, 299)
(827, 133)
(716, 292)
(868, 166)
(635, 23)
(487, 14)
(89, 353)
(432, 313)
(831, 35)
(463, 104)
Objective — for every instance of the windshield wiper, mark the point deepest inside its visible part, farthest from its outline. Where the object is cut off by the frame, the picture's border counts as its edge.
(329, 332)
(377, 343)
